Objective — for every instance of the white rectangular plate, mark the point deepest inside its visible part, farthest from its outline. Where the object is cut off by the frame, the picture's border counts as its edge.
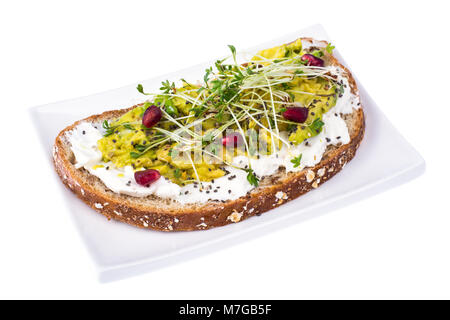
(384, 160)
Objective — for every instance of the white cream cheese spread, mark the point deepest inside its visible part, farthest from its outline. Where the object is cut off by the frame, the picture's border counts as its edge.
(83, 139)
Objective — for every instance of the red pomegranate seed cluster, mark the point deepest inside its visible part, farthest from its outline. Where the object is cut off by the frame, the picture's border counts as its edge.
(151, 116)
(312, 60)
(232, 140)
(296, 114)
(146, 177)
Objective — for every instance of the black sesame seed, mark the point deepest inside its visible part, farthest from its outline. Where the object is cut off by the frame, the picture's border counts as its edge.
(84, 132)
(328, 139)
(338, 137)
(229, 191)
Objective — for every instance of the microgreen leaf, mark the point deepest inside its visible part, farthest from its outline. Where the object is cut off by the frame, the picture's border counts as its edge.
(140, 147)
(171, 109)
(105, 125)
(316, 125)
(185, 82)
(206, 76)
(318, 53)
(219, 116)
(198, 110)
(111, 129)
(252, 178)
(167, 87)
(286, 86)
(296, 160)
(135, 155)
(233, 49)
(201, 89)
(329, 48)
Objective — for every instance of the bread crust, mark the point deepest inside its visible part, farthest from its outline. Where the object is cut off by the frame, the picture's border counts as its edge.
(214, 213)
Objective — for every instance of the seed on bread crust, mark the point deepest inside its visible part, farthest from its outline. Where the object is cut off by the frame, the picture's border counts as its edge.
(310, 175)
(321, 172)
(235, 216)
(315, 184)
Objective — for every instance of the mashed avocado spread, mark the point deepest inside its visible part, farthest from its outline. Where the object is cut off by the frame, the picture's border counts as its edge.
(251, 99)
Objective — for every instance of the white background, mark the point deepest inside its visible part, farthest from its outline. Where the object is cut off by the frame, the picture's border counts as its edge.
(394, 245)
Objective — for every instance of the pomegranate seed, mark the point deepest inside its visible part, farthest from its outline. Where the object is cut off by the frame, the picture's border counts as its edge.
(296, 114)
(146, 177)
(232, 140)
(312, 60)
(151, 116)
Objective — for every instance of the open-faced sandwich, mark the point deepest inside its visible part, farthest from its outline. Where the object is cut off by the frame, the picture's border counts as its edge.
(249, 137)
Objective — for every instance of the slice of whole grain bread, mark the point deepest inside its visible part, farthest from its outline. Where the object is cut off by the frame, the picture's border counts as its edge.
(168, 215)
